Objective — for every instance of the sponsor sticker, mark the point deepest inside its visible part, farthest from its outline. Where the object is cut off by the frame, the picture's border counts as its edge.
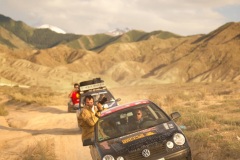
(166, 126)
(133, 138)
(170, 125)
(136, 137)
(92, 86)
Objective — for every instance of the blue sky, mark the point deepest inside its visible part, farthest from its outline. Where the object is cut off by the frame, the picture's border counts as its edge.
(184, 17)
(231, 13)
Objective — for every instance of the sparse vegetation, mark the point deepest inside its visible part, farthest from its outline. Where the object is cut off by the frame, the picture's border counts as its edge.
(3, 111)
(34, 95)
(212, 120)
(40, 150)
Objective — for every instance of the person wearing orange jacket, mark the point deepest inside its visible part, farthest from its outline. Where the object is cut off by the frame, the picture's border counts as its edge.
(88, 117)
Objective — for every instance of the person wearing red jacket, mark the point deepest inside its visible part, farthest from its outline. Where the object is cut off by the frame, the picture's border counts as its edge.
(75, 96)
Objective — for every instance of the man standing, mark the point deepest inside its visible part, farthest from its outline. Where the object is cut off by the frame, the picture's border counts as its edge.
(88, 117)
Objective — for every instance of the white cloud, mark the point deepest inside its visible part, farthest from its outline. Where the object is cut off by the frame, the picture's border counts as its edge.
(93, 16)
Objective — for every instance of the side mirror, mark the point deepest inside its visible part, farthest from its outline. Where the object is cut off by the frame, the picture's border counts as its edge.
(175, 115)
(88, 142)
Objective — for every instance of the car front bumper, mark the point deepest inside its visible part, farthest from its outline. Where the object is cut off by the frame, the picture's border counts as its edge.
(180, 155)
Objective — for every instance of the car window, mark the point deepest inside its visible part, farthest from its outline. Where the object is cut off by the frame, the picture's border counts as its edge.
(98, 95)
(125, 121)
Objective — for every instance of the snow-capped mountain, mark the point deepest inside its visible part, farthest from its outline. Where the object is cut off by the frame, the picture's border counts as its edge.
(53, 28)
(117, 31)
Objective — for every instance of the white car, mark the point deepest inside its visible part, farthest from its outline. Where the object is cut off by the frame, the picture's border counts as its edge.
(98, 90)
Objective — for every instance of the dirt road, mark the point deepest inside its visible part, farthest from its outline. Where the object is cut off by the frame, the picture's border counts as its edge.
(48, 127)
(28, 126)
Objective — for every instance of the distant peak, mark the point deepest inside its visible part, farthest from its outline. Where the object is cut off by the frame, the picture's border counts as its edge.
(53, 28)
(117, 31)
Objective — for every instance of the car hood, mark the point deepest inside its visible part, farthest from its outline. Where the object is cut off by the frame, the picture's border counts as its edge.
(142, 139)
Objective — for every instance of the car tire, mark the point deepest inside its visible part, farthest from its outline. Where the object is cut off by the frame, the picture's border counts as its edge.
(69, 109)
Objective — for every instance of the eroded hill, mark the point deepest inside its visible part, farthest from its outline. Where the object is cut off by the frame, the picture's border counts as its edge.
(152, 60)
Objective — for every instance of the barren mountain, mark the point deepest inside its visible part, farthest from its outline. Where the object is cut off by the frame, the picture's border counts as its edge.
(152, 60)
(16, 41)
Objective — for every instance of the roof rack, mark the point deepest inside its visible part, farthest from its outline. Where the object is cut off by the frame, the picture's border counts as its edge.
(95, 83)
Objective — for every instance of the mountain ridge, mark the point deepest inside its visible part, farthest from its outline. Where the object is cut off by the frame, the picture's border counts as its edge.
(53, 28)
(45, 38)
(134, 58)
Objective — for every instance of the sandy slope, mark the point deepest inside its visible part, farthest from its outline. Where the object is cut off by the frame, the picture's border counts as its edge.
(25, 126)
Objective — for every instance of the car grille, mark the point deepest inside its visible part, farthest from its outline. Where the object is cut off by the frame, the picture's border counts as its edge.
(155, 152)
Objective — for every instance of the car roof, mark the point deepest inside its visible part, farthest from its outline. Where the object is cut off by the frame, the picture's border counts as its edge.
(124, 106)
(95, 91)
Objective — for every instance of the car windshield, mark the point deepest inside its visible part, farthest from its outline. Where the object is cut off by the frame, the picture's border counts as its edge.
(129, 120)
(98, 95)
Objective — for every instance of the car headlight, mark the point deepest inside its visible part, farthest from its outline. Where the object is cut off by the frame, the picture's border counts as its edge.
(170, 144)
(108, 157)
(179, 139)
(120, 158)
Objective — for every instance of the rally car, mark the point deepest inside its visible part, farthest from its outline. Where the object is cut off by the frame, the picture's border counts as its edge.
(97, 88)
(157, 138)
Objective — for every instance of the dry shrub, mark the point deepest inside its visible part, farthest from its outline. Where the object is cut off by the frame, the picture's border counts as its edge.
(230, 149)
(195, 95)
(201, 150)
(164, 102)
(192, 118)
(200, 95)
(211, 116)
(3, 111)
(156, 99)
(40, 150)
(198, 120)
(33, 95)
(170, 100)
(185, 96)
(209, 144)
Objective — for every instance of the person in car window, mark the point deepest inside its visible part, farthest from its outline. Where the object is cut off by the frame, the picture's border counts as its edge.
(137, 120)
(141, 122)
(75, 96)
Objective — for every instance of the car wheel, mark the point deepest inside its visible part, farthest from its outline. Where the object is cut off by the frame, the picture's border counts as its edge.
(69, 109)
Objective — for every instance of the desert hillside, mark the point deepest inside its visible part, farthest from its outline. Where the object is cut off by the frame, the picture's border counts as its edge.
(134, 58)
